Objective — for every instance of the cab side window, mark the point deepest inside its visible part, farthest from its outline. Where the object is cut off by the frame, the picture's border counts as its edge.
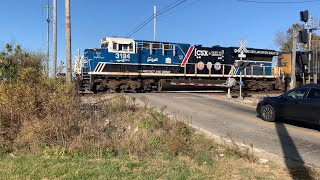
(314, 94)
(297, 94)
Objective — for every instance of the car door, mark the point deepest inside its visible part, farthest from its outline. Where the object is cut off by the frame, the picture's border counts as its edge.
(292, 107)
(311, 106)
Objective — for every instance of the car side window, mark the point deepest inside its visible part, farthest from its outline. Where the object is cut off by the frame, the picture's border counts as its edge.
(296, 94)
(314, 94)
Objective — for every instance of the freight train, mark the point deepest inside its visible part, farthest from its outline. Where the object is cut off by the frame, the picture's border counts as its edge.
(301, 70)
(128, 65)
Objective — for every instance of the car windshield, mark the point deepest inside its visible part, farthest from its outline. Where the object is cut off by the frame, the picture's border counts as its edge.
(314, 94)
(296, 94)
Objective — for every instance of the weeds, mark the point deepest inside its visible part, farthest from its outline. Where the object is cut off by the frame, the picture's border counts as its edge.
(242, 152)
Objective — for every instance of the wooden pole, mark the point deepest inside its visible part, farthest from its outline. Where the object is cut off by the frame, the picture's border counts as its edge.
(293, 60)
(54, 59)
(48, 39)
(68, 41)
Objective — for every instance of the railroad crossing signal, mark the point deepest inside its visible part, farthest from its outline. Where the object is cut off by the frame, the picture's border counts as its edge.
(242, 49)
(304, 16)
(241, 64)
(303, 36)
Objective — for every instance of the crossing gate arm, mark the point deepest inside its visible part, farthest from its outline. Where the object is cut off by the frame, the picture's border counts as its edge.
(229, 83)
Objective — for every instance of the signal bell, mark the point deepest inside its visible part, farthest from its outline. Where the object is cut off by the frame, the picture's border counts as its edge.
(241, 64)
(304, 16)
(238, 63)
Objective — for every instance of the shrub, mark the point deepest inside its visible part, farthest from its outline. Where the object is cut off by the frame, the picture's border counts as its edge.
(46, 116)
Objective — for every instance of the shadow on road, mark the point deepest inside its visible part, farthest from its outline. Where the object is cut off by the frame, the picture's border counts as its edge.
(293, 160)
(297, 123)
(300, 124)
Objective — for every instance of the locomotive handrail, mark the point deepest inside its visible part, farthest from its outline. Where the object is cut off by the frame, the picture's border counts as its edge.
(210, 70)
(232, 71)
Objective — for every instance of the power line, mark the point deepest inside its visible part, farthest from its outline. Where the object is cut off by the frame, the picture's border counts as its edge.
(278, 2)
(190, 4)
(164, 10)
(148, 20)
(157, 16)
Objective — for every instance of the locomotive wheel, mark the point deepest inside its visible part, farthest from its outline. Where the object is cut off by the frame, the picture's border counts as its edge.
(124, 87)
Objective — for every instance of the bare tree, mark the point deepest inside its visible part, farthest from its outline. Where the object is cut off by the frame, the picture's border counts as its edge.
(283, 39)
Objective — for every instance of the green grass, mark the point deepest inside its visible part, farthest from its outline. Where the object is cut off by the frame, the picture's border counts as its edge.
(34, 167)
(158, 167)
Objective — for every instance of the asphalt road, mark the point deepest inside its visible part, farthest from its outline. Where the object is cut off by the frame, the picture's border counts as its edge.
(227, 119)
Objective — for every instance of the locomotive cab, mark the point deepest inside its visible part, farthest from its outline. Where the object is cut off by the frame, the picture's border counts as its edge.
(118, 45)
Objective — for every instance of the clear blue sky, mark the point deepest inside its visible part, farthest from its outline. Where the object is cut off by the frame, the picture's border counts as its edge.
(206, 22)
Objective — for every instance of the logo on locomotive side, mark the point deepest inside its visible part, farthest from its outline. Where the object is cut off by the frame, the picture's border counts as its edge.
(200, 65)
(98, 55)
(168, 60)
(209, 65)
(217, 66)
(199, 53)
(150, 59)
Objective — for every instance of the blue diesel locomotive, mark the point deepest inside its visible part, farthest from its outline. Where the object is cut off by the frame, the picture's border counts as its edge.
(128, 65)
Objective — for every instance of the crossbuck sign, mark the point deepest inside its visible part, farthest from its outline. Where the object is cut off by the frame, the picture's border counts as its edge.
(242, 49)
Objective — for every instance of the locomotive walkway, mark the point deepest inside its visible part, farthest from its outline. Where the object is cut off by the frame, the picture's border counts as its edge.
(240, 122)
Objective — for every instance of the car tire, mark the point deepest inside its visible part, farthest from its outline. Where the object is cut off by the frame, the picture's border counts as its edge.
(268, 113)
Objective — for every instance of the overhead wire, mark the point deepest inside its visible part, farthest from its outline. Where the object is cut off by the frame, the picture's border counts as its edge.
(164, 10)
(144, 23)
(190, 4)
(278, 2)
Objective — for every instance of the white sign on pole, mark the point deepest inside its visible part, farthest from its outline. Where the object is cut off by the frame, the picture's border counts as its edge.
(242, 49)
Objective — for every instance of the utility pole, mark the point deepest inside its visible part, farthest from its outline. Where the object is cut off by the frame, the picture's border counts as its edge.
(68, 41)
(316, 64)
(293, 60)
(309, 49)
(315, 61)
(154, 22)
(48, 39)
(54, 59)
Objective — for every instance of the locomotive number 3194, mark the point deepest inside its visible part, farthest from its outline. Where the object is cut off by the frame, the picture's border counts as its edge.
(122, 56)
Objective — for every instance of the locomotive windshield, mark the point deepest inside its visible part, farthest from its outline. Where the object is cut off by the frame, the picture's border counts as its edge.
(126, 47)
(104, 45)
